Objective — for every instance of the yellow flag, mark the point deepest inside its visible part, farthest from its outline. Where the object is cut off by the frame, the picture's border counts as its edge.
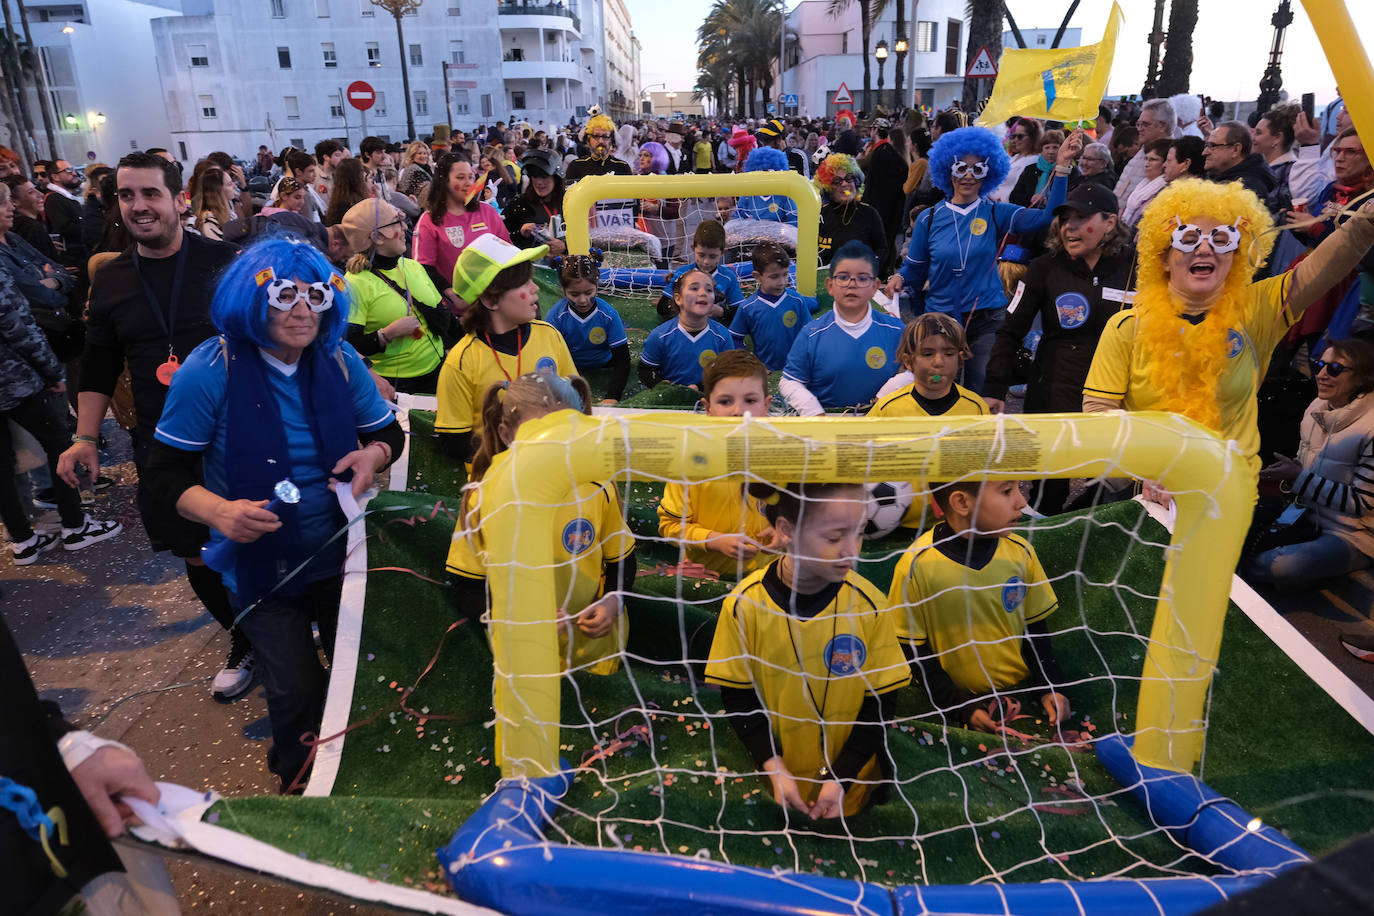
(1059, 84)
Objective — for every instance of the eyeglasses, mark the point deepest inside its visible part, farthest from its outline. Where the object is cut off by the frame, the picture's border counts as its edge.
(853, 279)
(1333, 368)
(1187, 237)
(1210, 145)
(284, 294)
(961, 168)
(599, 135)
(1017, 136)
(847, 179)
(68, 169)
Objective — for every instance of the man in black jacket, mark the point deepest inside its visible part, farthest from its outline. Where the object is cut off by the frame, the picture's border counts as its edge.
(64, 210)
(1228, 156)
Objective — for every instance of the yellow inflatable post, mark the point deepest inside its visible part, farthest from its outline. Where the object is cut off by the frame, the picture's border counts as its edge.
(578, 202)
(1213, 486)
(1347, 58)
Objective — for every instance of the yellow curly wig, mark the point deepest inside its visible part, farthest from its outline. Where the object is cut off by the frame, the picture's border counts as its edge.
(1188, 378)
(598, 122)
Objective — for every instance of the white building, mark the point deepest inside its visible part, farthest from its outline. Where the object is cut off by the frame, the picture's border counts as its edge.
(100, 78)
(236, 74)
(621, 59)
(1042, 39)
(829, 48)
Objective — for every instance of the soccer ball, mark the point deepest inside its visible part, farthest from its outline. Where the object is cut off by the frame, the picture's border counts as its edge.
(887, 503)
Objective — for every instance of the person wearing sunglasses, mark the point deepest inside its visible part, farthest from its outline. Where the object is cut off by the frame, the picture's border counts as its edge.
(1201, 334)
(1334, 534)
(599, 136)
(844, 215)
(955, 244)
(277, 409)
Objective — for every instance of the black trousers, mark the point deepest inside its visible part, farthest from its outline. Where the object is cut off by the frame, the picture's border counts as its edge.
(40, 417)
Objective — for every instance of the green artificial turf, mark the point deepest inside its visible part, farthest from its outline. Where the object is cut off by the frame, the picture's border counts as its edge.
(1276, 743)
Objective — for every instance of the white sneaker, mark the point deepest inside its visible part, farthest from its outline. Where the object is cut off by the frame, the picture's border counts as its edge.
(92, 531)
(236, 677)
(26, 552)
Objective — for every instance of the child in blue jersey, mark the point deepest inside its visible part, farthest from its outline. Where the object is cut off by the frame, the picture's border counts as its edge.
(678, 351)
(589, 324)
(840, 360)
(774, 316)
(708, 247)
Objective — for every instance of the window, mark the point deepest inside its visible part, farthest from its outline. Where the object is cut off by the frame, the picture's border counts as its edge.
(454, 9)
(335, 105)
(374, 54)
(200, 55)
(331, 59)
(927, 37)
(421, 103)
(293, 108)
(486, 104)
(517, 99)
(284, 58)
(1040, 39)
(379, 104)
(456, 54)
(181, 145)
(278, 9)
(369, 11)
(954, 34)
(515, 54)
(297, 142)
(844, 43)
(322, 9)
(417, 55)
(207, 106)
(460, 102)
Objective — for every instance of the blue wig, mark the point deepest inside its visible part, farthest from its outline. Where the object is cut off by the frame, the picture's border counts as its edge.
(240, 307)
(955, 145)
(659, 164)
(854, 250)
(766, 159)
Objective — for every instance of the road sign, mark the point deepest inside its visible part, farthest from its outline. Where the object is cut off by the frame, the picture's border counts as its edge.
(789, 100)
(844, 96)
(772, 109)
(982, 66)
(361, 95)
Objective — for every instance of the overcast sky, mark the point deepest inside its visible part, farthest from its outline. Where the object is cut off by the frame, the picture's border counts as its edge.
(1230, 51)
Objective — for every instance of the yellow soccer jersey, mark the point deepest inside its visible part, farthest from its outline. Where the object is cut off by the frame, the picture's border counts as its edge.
(472, 366)
(589, 531)
(811, 675)
(903, 403)
(711, 506)
(1118, 369)
(972, 619)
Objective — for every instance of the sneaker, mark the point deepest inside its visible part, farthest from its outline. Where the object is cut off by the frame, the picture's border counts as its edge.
(46, 499)
(1362, 647)
(26, 552)
(92, 531)
(236, 677)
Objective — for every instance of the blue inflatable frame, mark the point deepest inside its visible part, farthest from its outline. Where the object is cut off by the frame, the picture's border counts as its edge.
(500, 858)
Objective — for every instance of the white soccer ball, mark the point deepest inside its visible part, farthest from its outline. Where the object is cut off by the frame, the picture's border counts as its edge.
(887, 503)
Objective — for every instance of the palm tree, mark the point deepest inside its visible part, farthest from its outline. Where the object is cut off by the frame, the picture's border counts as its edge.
(399, 8)
(869, 11)
(740, 37)
(17, 77)
(32, 64)
(984, 31)
(1178, 50)
(713, 84)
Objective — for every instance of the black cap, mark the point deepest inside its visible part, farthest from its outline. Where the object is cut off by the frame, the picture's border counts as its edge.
(1088, 199)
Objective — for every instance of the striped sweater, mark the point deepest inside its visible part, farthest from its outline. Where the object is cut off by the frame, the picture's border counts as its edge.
(1337, 478)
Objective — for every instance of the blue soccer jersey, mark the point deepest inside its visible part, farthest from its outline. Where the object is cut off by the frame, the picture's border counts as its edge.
(727, 284)
(679, 357)
(590, 337)
(772, 325)
(842, 370)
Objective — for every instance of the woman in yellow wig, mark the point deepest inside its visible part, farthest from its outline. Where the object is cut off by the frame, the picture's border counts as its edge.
(1201, 334)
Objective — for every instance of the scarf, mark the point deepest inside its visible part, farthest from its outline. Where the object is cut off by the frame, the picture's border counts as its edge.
(1046, 170)
(257, 457)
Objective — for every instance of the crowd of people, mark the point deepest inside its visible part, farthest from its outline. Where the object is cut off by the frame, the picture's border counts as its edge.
(250, 324)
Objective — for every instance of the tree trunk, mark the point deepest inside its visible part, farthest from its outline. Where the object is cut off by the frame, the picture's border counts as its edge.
(1177, 68)
(16, 75)
(743, 100)
(17, 137)
(866, 28)
(405, 78)
(42, 84)
(984, 31)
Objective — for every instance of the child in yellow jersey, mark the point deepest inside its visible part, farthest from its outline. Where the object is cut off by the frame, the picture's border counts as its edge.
(503, 340)
(715, 521)
(970, 600)
(594, 553)
(932, 351)
(807, 658)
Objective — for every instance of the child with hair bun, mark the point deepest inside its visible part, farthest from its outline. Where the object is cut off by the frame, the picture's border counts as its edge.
(593, 550)
(806, 657)
(590, 325)
(678, 350)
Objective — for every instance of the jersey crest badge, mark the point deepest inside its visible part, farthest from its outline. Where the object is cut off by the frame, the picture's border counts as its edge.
(845, 654)
(789, 319)
(1013, 593)
(978, 226)
(597, 335)
(876, 357)
(1073, 310)
(578, 536)
(546, 364)
(706, 357)
(1234, 344)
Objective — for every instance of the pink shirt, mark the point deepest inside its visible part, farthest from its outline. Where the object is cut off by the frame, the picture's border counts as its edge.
(439, 247)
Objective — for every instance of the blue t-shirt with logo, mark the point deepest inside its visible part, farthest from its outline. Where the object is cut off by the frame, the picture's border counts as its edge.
(727, 283)
(590, 337)
(680, 357)
(772, 325)
(839, 369)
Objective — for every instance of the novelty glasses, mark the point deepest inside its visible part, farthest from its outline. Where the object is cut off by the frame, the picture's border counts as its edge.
(959, 168)
(283, 295)
(1187, 237)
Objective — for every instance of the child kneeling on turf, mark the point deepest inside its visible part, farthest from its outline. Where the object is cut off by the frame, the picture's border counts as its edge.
(774, 315)
(715, 521)
(678, 350)
(807, 658)
(970, 600)
(593, 551)
(932, 350)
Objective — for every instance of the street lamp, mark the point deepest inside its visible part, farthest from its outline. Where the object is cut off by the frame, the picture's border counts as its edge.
(899, 71)
(70, 121)
(880, 53)
(99, 119)
(670, 95)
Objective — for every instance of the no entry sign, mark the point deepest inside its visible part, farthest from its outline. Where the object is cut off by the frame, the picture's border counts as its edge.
(361, 95)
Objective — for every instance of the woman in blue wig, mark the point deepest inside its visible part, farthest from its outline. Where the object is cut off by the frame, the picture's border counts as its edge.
(955, 243)
(259, 423)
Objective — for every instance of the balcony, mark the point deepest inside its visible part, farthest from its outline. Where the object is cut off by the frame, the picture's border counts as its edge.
(535, 9)
(515, 69)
